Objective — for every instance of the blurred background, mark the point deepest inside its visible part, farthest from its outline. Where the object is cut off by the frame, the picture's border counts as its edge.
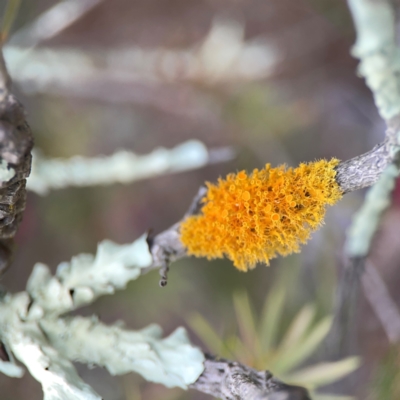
(271, 79)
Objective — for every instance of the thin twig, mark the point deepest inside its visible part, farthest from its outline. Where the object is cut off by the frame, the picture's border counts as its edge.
(339, 339)
(381, 302)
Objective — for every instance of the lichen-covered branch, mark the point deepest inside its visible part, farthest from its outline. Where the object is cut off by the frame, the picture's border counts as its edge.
(366, 219)
(86, 277)
(48, 345)
(171, 361)
(26, 342)
(379, 56)
(223, 56)
(357, 245)
(377, 50)
(122, 166)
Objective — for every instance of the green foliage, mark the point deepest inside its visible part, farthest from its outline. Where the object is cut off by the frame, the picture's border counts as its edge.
(260, 344)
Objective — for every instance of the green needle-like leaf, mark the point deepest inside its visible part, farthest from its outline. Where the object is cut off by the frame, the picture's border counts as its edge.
(291, 357)
(271, 315)
(206, 333)
(245, 319)
(324, 373)
(299, 327)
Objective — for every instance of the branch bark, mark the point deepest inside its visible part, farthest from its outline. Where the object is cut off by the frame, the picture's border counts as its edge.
(364, 170)
(229, 380)
(15, 163)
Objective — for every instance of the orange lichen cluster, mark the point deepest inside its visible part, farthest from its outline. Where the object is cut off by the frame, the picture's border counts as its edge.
(254, 218)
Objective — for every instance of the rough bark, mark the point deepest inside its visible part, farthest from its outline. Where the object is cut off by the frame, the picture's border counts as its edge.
(229, 380)
(16, 143)
(364, 170)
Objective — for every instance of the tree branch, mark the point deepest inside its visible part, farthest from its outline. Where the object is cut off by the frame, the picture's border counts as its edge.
(15, 163)
(229, 380)
(364, 170)
(48, 345)
(121, 167)
(379, 56)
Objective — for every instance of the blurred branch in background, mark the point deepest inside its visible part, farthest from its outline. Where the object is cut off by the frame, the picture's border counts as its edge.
(123, 166)
(154, 77)
(52, 22)
(380, 65)
(223, 56)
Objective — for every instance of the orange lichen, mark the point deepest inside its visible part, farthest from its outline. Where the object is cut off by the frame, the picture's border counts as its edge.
(254, 218)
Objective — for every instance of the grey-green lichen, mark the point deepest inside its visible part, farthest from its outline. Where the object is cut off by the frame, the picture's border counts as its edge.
(26, 341)
(379, 56)
(172, 361)
(378, 53)
(122, 167)
(223, 56)
(86, 277)
(33, 332)
(366, 220)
